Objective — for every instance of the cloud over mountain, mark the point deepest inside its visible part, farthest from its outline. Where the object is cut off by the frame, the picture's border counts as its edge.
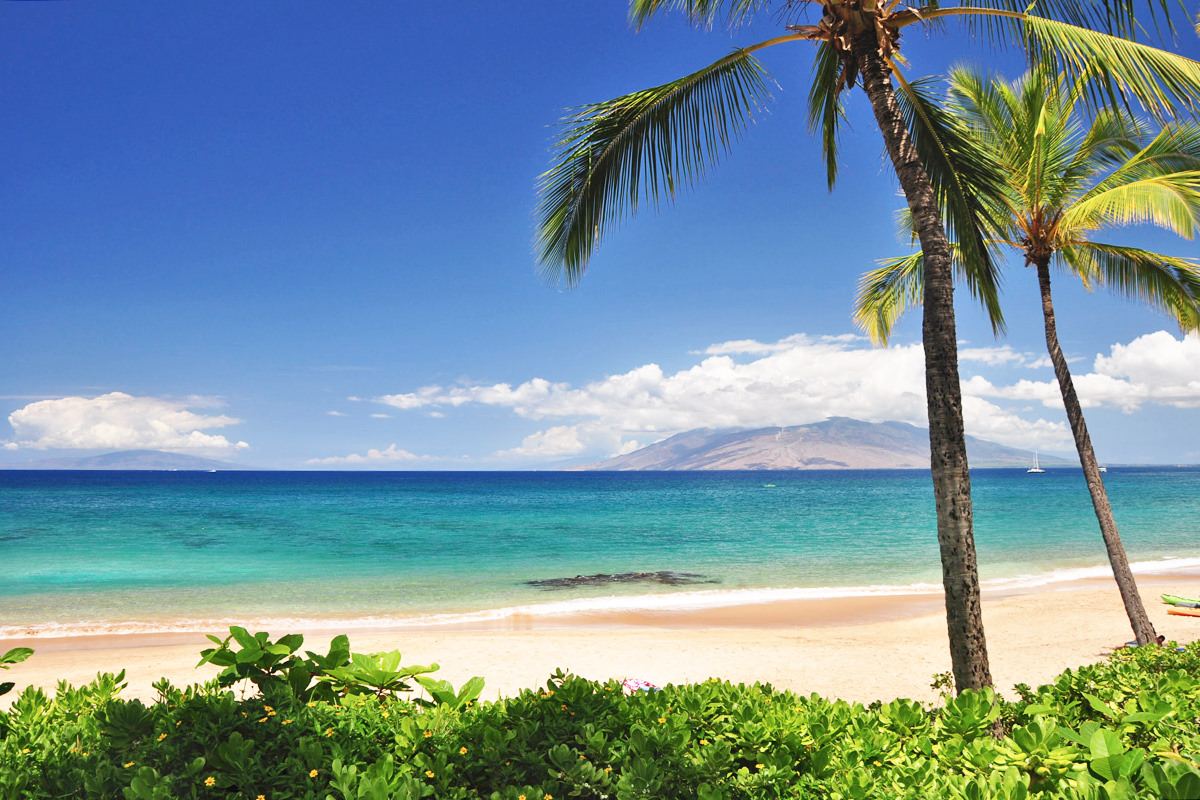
(802, 379)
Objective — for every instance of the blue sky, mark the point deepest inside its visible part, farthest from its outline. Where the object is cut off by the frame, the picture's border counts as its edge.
(300, 235)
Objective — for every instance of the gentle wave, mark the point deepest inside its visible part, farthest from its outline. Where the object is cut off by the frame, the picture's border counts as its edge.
(679, 601)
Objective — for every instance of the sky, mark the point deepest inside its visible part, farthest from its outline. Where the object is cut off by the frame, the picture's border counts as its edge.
(301, 236)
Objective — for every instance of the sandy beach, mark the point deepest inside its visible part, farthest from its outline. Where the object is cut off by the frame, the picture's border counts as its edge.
(862, 649)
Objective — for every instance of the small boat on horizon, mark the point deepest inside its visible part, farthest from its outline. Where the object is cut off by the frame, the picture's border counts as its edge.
(1035, 467)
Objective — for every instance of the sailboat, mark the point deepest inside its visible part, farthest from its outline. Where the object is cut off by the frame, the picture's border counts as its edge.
(1035, 467)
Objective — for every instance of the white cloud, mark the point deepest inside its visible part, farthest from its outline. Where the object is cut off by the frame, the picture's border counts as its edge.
(391, 455)
(118, 421)
(556, 442)
(1154, 368)
(794, 381)
(997, 356)
(802, 379)
(1157, 367)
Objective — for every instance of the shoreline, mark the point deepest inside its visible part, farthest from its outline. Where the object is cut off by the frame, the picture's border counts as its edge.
(864, 648)
(709, 607)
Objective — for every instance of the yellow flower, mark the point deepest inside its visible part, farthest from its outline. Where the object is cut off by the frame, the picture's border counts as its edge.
(312, 774)
(266, 708)
(286, 722)
(329, 731)
(428, 773)
(270, 713)
(130, 764)
(704, 741)
(661, 720)
(462, 751)
(520, 797)
(261, 797)
(547, 796)
(608, 769)
(24, 749)
(386, 715)
(162, 736)
(758, 766)
(428, 734)
(210, 780)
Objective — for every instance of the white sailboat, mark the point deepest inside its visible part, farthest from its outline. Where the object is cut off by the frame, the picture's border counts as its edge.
(1035, 467)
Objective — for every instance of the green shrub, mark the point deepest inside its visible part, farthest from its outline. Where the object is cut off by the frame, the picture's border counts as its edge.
(1128, 727)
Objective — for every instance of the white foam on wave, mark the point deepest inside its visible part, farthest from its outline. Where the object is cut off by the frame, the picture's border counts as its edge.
(666, 602)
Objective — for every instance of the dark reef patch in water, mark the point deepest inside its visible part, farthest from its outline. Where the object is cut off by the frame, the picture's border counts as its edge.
(665, 577)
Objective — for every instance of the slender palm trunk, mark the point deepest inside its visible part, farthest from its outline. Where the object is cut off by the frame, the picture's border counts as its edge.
(1143, 630)
(947, 442)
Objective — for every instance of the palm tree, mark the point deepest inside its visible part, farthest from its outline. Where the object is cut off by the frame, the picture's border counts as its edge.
(646, 144)
(1062, 182)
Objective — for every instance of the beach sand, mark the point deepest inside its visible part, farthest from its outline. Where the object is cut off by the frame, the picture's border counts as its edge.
(864, 649)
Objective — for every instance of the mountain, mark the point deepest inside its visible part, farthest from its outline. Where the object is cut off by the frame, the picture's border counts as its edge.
(131, 459)
(836, 443)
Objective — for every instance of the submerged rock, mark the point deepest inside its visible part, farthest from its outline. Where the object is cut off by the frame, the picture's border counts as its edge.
(666, 577)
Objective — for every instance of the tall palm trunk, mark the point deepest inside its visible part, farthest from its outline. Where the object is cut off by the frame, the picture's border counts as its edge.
(947, 443)
(1143, 630)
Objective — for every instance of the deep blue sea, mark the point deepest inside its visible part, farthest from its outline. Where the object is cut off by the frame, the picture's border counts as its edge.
(121, 551)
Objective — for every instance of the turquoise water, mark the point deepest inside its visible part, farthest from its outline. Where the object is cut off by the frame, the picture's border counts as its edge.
(85, 551)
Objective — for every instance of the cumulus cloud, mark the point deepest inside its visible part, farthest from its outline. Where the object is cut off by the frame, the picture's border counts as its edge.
(118, 421)
(737, 384)
(803, 379)
(1154, 368)
(391, 455)
(1000, 356)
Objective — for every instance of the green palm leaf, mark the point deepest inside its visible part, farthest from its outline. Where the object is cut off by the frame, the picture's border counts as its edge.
(1116, 69)
(825, 109)
(1169, 201)
(641, 145)
(1176, 148)
(966, 183)
(1167, 283)
(736, 12)
(1057, 183)
(884, 295)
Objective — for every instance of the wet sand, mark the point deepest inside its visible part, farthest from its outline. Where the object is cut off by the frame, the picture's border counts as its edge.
(861, 648)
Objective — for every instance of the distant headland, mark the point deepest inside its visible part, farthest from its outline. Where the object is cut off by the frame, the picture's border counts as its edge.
(836, 443)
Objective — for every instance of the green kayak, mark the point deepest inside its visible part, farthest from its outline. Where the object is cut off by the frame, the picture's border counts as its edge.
(1185, 602)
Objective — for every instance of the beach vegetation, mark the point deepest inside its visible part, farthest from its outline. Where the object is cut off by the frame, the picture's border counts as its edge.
(643, 147)
(1058, 181)
(14, 656)
(1122, 728)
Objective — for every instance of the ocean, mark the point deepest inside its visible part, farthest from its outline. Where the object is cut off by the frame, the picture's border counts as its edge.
(88, 552)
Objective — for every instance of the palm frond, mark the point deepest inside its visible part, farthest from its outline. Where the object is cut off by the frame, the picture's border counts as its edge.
(969, 185)
(825, 110)
(999, 20)
(898, 285)
(1168, 283)
(1117, 70)
(1176, 148)
(884, 295)
(642, 145)
(1170, 201)
(700, 12)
